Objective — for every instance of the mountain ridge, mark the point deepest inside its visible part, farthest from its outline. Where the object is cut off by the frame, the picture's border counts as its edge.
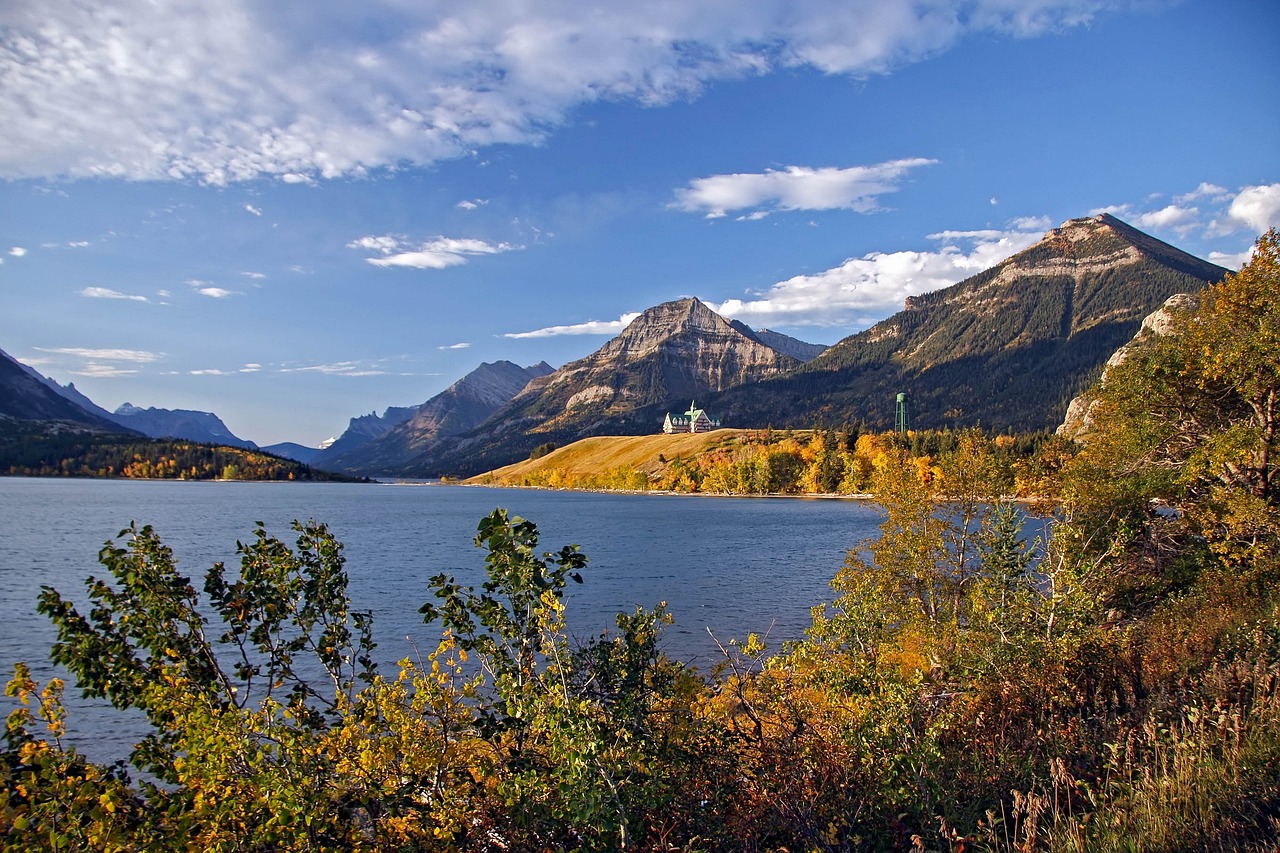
(1007, 348)
(462, 406)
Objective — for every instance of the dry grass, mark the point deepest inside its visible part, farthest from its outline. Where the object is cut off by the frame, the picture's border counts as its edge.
(595, 455)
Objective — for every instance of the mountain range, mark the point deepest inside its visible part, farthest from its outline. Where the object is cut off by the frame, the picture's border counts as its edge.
(1007, 348)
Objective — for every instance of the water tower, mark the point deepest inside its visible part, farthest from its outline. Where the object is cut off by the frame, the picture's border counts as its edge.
(902, 420)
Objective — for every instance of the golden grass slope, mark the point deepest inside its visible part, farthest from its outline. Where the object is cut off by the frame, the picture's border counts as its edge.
(599, 454)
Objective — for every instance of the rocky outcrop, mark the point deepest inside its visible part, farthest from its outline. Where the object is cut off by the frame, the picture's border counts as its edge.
(1079, 423)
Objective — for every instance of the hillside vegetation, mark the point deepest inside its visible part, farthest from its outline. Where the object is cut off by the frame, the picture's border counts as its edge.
(40, 449)
(1110, 685)
(774, 462)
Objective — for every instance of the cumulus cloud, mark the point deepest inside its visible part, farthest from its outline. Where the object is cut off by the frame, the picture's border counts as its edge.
(1257, 207)
(435, 254)
(17, 251)
(862, 290)
(1210, 209)
(108, 293)
(796, 188)
(215, 292)
(592, 327)
(236, 90)
(256, 211)
(1206, 190)
(1172, 217)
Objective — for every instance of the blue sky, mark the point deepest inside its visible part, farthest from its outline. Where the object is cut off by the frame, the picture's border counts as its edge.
(294, 213)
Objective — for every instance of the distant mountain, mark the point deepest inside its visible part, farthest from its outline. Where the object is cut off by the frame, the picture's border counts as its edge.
(293, 450)
(462, 406)
(27, 395)
(204, 427)
(671, 354)
(359, 432)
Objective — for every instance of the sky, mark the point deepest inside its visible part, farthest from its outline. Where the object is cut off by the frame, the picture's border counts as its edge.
(291, 213)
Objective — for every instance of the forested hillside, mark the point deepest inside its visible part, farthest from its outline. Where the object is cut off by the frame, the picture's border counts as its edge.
(1005, 349)
(34, 449)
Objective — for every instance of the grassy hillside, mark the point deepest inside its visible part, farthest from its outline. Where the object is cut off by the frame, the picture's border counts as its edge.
(600, 454)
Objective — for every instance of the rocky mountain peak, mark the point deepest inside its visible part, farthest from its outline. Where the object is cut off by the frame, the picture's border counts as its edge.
(661, 323)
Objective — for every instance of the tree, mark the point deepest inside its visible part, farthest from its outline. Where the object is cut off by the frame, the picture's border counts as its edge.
(1192, 417)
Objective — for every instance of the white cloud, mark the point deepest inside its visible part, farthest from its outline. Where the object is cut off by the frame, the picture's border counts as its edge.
(234, 90)
(435, 254)
(256, 276)
(108, 293)
(472, 204)
(1206, 190)
(251, 367)
(873, 285)
(593, 327)
(211, 371)
(456, 346)
(17, 251)
(341, 368)
(256, 211)
(1213, 210)
(1257, 207)
(796, 188)
(140, 356)
(102, 371)
(1231, 260)
(215, 292)
(1172, 217)
(385, 244)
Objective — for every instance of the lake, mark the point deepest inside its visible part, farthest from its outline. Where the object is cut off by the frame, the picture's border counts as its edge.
(731, 565)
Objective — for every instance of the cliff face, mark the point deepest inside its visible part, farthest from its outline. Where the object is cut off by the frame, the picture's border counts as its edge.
(1078, 422)
(1007, 348)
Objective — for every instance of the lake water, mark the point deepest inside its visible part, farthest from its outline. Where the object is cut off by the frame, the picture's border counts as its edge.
(731, 565)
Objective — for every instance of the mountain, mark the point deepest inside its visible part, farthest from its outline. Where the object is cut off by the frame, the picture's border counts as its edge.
(27, 395)
(671, 354)
(204, 427)
(293, 450)
(787, 345)
(1007, 348)
(462, 406)
(360, 431)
